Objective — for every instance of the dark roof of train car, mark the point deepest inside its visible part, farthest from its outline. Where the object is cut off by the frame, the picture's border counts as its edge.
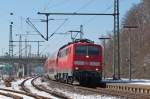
(76, 41)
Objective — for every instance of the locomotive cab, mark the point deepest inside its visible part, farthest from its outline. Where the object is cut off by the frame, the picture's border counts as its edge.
(87, 62)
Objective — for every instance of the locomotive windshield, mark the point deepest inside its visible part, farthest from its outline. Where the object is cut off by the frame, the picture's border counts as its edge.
(86, 50)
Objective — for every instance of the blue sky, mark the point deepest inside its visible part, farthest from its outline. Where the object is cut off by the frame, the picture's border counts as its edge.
(94, 26)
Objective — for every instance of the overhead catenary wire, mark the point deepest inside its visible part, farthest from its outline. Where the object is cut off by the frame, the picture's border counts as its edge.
(58, 28)
(68, 18)
(32, 25)
(93, 17)
(52, 35)
(85, 5)
(80, 9)
(57, 4)
(58, 43)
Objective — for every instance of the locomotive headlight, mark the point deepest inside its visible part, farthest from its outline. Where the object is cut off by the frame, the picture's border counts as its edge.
(87, 56)
(76, 68)
(97, 69)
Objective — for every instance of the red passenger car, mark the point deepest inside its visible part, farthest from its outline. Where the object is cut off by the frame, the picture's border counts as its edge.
(79, 61)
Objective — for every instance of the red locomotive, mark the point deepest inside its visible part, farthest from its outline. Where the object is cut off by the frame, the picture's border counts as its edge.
(80, 61)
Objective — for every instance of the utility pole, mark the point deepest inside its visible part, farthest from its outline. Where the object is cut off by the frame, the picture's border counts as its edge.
(81, 32)
(26, 50)
(116, 41)
(20, 46)
(104, 51)
(10, 41)
(130, 45)
(47, 26)
(29, 50)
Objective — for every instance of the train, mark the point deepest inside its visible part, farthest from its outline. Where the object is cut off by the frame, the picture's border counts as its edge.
(78, 61)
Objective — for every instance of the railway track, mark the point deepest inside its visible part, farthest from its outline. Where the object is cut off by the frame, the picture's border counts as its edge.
(101, 91)
(52, 92)
(28, 91)
(23, 87)
(42, 89)
(11, 95)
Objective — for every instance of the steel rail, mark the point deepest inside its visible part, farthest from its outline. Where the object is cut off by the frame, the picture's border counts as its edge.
(29, 92)
(104, 91)
(51, 92)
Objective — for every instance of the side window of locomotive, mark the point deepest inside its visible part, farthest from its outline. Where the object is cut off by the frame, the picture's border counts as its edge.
(59, 54)
(93, 50)
(80, 50)
(63, 52)
(67, 51)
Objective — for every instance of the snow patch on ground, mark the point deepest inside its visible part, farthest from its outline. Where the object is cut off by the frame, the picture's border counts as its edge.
(3, 97)
(15, 86)
(127, 81)
(78, 96)
(33, 90)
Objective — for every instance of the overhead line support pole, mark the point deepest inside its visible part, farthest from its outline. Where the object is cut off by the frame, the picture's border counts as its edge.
(10, 41)
(118, 37)
(81, 31)
(38, 52)
(47, 26)
(116, 41)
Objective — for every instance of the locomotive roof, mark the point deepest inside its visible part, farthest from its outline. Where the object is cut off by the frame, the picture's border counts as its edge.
(77, 41)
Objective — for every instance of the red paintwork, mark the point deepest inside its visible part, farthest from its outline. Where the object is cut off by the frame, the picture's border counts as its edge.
(90, 59)
(50, 63)
(67, 62)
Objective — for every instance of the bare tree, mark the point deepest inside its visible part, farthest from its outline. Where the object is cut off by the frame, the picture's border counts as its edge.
(138, 15)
